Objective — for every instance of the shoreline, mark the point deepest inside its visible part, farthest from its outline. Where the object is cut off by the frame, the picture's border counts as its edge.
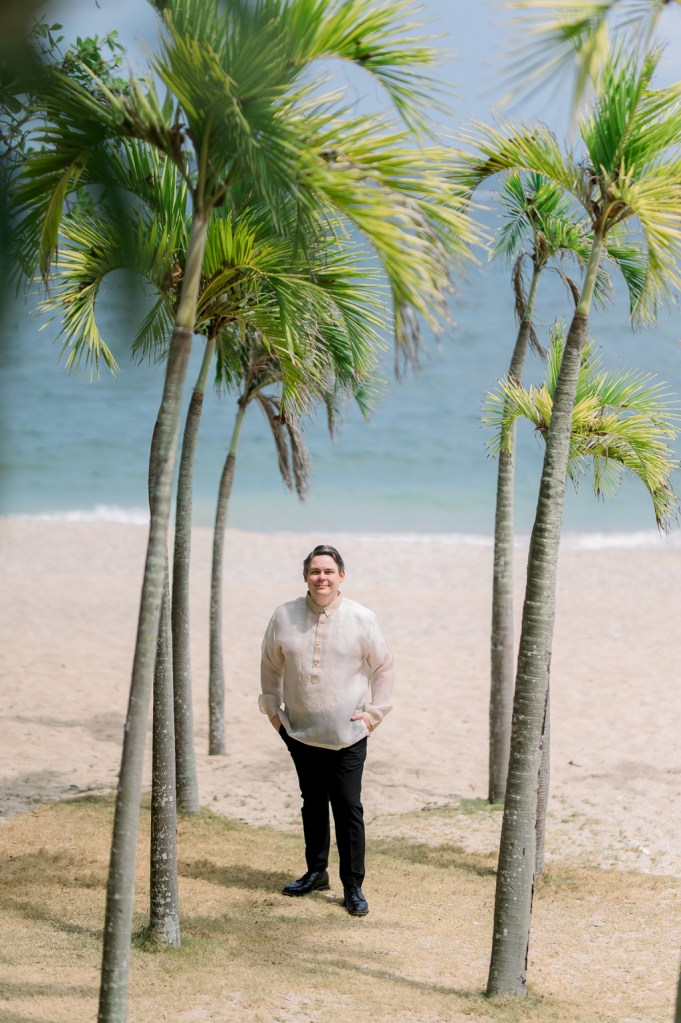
(571, 539)
(71, 593)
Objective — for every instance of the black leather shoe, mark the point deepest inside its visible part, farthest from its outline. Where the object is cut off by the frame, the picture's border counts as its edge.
(312, 881)
(354, 901)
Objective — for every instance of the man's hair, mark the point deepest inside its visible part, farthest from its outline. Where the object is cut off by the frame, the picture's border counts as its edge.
(320, 549)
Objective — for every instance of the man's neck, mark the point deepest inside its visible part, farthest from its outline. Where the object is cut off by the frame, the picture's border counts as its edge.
(326, 602)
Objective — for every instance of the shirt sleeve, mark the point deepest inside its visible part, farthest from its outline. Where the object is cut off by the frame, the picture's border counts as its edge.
(380, 660)
(271, 672)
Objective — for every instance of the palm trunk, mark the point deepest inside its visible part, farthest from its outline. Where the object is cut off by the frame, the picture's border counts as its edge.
(185, 759)
(543, 790)
(515, 877)
(502, 640)
(216, 678)
(113, 995)
(677, 1014)
(164, 915)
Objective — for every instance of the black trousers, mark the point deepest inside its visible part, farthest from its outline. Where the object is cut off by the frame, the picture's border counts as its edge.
(331, 776)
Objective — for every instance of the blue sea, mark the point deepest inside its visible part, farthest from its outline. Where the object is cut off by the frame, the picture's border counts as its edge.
(76, 449)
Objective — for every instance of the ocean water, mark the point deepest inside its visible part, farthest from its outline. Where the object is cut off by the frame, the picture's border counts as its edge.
(77, 449)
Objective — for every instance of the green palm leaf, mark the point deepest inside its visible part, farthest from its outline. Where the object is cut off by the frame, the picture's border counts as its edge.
(94, 246)
(622, 422)
(542, 226)
(576, 35)
(628, 171)
(387, 41)
(245, 110)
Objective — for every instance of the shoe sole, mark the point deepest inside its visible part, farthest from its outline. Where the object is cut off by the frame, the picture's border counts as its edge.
(354, 912)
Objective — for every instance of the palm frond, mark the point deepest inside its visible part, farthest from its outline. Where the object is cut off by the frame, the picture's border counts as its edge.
(398, 197)
(630, 258)
(149, 175)
(630, 169)
(243, 109)
(576, 36)
(76, 138)
(655, 201)
(95, 243)
(622, 422)
(387, 41)
(300, 457)
(310, 326)
(153, 335)
(507, 147)
(533, 207)
(261, 44)
(272, 411)
(92, 252)
(541, 228)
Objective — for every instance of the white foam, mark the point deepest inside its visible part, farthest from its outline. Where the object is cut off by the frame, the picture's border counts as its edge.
(100, 513)
(606, 541)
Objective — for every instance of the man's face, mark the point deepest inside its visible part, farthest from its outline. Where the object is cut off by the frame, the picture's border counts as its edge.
(324, 579)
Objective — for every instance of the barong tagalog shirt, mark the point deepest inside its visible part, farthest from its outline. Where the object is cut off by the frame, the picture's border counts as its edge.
(321, 665)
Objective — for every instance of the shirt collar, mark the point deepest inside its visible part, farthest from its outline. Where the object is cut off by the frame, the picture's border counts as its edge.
(318, 609)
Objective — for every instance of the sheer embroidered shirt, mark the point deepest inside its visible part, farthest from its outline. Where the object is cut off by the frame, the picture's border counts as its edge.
(320, 665)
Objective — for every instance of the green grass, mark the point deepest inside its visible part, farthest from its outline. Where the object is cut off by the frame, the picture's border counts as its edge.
(479, 806)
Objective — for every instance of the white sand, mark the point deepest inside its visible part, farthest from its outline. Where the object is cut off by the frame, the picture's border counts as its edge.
(70, 593)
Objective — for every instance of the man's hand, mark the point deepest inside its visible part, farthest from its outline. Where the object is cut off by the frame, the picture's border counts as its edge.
(276, 722)
(362, 715)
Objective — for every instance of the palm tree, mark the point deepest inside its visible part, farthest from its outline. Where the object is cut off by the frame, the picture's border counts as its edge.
(242, 106)
(629, 169)
(579, 38)
(96, 241)
(539, 228)
(145, 239)
(621, 422)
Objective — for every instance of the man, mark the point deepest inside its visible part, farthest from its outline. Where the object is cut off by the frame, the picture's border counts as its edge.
(326, 678)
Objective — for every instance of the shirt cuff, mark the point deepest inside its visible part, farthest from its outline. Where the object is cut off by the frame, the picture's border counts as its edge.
(375, 714)
(268, 704)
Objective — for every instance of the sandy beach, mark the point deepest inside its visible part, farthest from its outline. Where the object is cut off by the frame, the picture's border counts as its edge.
(70, 595)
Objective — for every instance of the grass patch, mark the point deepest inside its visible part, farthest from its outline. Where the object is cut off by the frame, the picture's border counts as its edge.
(603, 943)
(479, 806)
